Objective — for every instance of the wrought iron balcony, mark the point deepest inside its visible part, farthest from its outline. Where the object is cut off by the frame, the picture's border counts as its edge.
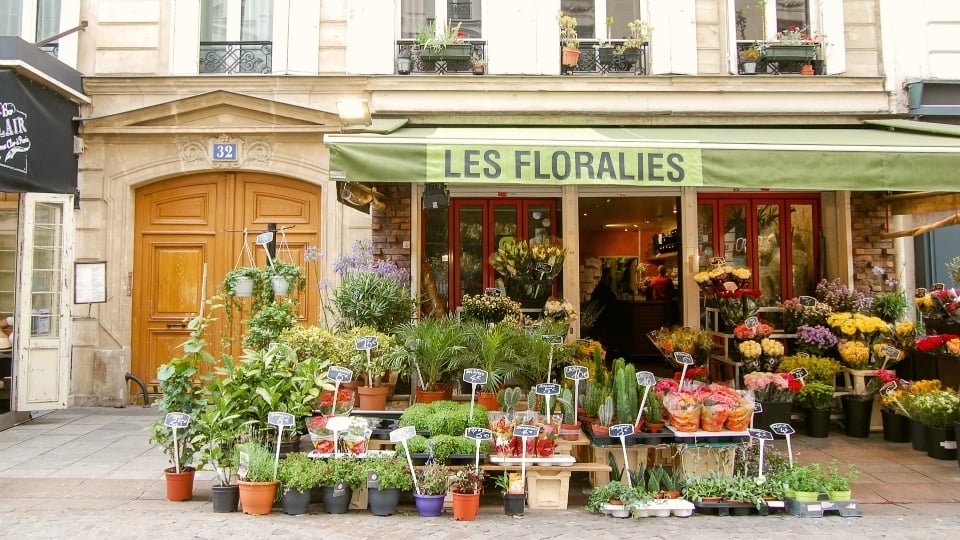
(442, 62)
(612, 59)
(232, 57)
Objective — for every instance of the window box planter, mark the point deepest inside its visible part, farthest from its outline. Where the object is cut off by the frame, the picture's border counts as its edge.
(450, 53)
(789, 53)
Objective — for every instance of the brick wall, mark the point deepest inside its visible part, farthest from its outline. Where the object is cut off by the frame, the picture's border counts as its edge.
(868, 220)
(391, 225)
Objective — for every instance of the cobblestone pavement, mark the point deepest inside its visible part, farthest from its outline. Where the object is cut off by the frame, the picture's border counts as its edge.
(91, 473)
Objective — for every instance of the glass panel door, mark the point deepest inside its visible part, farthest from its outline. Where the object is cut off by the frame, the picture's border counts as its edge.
(734, 231)
(470, 250)
(803, 250)
(506, 228)
(705, 245)
(769, 252)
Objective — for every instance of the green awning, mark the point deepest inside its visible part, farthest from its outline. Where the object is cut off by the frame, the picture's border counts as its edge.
(895, 156)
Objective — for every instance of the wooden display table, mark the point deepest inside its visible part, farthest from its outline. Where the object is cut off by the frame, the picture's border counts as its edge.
(548, 486)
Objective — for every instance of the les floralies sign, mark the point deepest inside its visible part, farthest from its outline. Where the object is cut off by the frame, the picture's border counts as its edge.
(36, 138)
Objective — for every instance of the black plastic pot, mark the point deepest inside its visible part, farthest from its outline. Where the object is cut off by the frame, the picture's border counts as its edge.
(336, 501)
(896, 427)
(856, 415)
(816, 422)
(225, 498)
(513, 503)
(918, 436)
(383, 502)
(296, 502)
(941, 443)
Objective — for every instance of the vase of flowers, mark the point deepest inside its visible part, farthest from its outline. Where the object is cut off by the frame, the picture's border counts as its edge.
(738, 305)
(529, 268)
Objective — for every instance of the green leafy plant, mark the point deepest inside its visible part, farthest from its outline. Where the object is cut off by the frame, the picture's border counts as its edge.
(258, 459)
(348, 469)
(371, 293)
(392, 472)
(383, 359)
(293, 273)
(180, 394)
(639, 34)
(445, 446)
(601, 495)
(467, 480)
(819, 369)
(568, 31)
(493, 350)
(433, 479)
(835, 480)
(267, 323)
(433, 346)
(535, 357)
(804, 478)
(708, 485)
(298, 472)
(443, 417)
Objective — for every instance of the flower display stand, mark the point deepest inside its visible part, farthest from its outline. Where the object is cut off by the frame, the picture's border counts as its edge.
(655, 508)
(548, 489)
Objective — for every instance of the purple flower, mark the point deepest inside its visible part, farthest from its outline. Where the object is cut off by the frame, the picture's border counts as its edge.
(312, 254)
(816, 336)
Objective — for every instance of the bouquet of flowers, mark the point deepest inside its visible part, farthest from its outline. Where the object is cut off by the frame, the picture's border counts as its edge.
(883, 377)
(772, 387)
(854, 353)
(717, 401)
(684, 410)
(939, 343)
(519, 260)
(741, 331)
(857, 326)
(749, 350)
(941, 305)
(322, 438)
(677, 339)
(815, 340)
(559, 310)
(796, 315)
(842, 298)
(489, 309)
(712, 281)
(737, 305)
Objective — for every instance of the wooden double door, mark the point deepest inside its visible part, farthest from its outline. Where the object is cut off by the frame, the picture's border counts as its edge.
(189, 232)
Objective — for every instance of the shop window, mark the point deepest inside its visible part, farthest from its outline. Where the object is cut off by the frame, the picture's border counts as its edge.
(32, 20)
(776, 237)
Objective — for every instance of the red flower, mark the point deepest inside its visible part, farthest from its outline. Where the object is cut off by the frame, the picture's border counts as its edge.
(795, 386)
(886, 376)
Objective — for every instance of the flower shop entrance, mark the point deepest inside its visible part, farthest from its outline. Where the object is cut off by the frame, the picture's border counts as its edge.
(459, 241)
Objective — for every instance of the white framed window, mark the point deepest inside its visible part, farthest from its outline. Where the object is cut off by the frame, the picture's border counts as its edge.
(417, 15)
(236, 20)
(32, 20)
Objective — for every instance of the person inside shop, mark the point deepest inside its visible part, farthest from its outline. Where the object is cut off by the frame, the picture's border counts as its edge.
(6, 333)
(661, 287)
(602, 299)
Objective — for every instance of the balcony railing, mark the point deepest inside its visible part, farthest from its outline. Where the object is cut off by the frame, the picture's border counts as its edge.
(232, 57)
(592, 59)
(607, 60)
(771, 64)
(428, 63)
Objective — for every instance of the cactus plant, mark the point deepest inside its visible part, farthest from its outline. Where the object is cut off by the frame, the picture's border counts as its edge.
(599, 371)
(654, 409)
(605, 412)
(566, 403)
(625, 390)
(508, 399)
(595, 396)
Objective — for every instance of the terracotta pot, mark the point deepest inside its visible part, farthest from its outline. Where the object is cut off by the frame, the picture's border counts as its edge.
(180, 484)
(465, 506)
(447, 390)
(256, 498)
(652, 427)
(806, 69)
(488, 400)
(570, 432)
(601, 431)
(372, 398)
(429, 396)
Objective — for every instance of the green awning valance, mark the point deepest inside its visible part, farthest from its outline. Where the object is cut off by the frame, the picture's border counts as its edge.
(859, 158)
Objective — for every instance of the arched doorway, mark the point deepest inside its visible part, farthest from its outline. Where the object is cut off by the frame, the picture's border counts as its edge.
(192, 226)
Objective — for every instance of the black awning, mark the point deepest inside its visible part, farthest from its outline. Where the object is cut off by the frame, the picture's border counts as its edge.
(36, 137)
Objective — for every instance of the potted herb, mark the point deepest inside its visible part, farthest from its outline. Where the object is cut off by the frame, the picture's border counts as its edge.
(181, 395)
(258, 484)
(837, 483)
(444, 42)
(570, 46)
(805, 481)
(709, 488)
(387, 476)
(338, 478)
(432, 479)
(607, 493)
(514, 493)
(298, 475)
(466, 484)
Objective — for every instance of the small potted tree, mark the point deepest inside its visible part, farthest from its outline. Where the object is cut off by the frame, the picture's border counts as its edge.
(748, 60)
(494, 351)
(298, 475)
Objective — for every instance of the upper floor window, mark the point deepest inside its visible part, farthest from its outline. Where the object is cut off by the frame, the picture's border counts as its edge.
(236, 36)
(32, 20)
(760, 20)
(417, 15)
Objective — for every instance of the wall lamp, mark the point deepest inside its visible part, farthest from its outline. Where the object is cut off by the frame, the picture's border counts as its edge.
(353, 113)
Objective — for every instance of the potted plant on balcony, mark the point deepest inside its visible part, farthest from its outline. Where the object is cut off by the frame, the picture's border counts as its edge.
(748, 59)
(444, 42)
(605, 50)
(570, 46)
(639, 35)
(479, 64)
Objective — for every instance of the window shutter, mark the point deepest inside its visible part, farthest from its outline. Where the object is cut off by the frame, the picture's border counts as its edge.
(673, 44)
(831, 28)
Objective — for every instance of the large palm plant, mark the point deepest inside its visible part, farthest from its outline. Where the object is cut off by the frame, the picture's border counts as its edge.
(537, 361)
(492, 349)
(432, 347)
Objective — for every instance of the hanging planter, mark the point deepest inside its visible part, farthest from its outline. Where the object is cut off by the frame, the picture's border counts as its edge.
(280, 285)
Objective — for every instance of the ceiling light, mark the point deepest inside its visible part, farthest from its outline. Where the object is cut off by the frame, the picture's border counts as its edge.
(354, 112)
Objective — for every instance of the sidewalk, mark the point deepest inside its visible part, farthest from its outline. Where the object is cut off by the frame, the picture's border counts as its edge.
(92, 472)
